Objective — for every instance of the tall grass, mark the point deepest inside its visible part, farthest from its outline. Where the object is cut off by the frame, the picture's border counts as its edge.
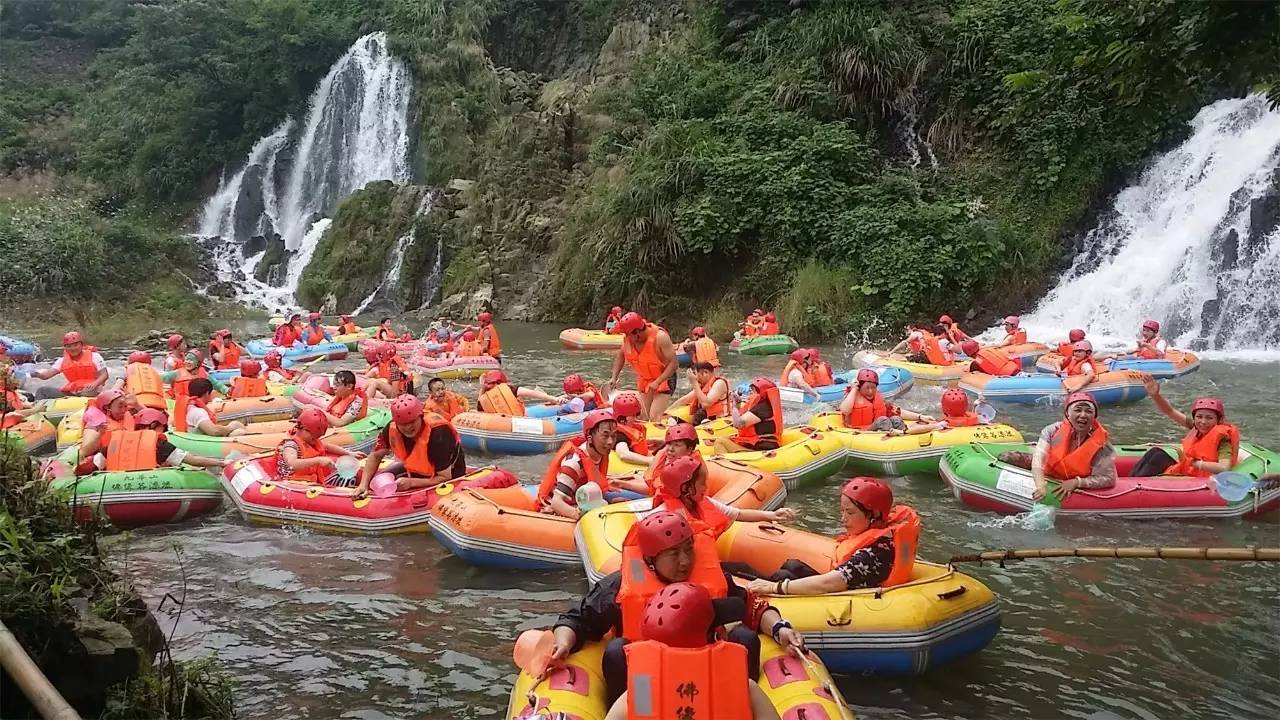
(819, 302)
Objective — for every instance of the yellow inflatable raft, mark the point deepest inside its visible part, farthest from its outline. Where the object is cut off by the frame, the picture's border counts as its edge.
(920, 371)
(870, 452)
(580, 339)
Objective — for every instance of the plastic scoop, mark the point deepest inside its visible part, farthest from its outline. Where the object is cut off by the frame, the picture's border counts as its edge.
(532, 652)
(346, 467)
(589, 497)
(235, 456)
(1234, 486)
(985, 412)
(383, 485)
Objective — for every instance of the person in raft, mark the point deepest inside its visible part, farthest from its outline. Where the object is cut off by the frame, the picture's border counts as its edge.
(191, 412)
(877, 548)
(144, 447)
(224, 352)
(769, 326)
(427, 449)
(579, 463)
(611, 320)
(922, 346)
(1074, 453)
(758, 419)
(864, 408)
(177, 353)
(143, 382)
(990, 360)
(305, 456)
(82, 367)
(682, 489)
(13, 410)
(313, 333)
(1211, 445)
(1150, 345)
(1013, 333)
(798, 372)
(820, 369)
(276, 372)
(648, 350)
(250, 383)
(701, 348)
(1079, 370)
(289, 332)
(390, 376)
(950, 330)
(346, 326)
(575, 388)
(109, 410)
(1066, 348)
(385, 332)
(498, 395)
(679, 441)
(487, 335)
(630, 440)
(349, 403)
(709, 397)
(192, 368)
(658, 551)
(469, 345)
(679, 669)
(443, 401)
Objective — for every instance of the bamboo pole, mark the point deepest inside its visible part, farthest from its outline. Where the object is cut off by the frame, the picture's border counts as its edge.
(1158, 553)
(42, 694)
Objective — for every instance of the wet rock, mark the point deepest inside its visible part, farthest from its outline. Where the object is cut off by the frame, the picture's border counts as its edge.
(461, 185)
(253, 246)
(275, 261)
(154, 340)
(249, 204)
(1226, 252)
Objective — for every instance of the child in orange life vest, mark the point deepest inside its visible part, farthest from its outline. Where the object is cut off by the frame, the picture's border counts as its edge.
(575, 388)
(83, 368)
(659, 550)
(683, 489)
(863, 408)
(224, 353)
(578, 463)
(305, 456)
(990, 361)
(1013, 333)
(426, 448)
(1210, 446)
(390, 376)
(313, 334)
(676, 651)
(1079, 370)
(444, 402)
(629, 433)
(349, 402)
(250, 384)
(1075, 453)
(709, 397)
(145, 447)
(758, 419)
(877, 549)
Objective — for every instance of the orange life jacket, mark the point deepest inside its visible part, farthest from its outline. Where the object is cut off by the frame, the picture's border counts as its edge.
(597, 397)
(955, 334)
(1205, 449)
(705, 351)
(347, 328)
(306, 451)
(718, 408)
(644, 359)
(1017, 337)
(1065, 349)
(13, 403)
(916, 344)
(145, 384)
(1147, 350)
(933, 351)
(664, 682)
(1066, 464)
(996, 362)
(769, 328)
(611, 320)
(635, 438)
(750, 436)
(784, 380)
(285, 335)
(660, 460)
(967, 420)
(245, 387)
(864, 412)
(395, 372)
(182, 382)
(126, 423)
(903, 525)
(230, 356)
(339, 405)
(452, 405)
(470, 348)
(709, 518)
(597, 472)
(180, 413)
(1075, 367)
(489, 341)
(79, 372)
(418, 461)
(639, 583)
(822, 374)
(129, 450)
(385, 333)
(312, 335)
(751, 328)
(501, 399)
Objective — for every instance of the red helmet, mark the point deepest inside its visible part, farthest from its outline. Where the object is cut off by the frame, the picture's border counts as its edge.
(661, 531)
(175, 341)
(1076, 397)
(1209, 403)
(1151, 325)
(679, 615)
(1075, 335)
(406, 408)
(970, 348)
(149, 417)
(946, 320)
(1084, 345)
(250, 368)
(955, 403)
(873, 495)
(273, 359)
(699, 332)
(224, 332)
(313, 316)
(493, 377)
(485, 317)
(106, 397)
(313, 420)
(681, 431)
(868, 375)
(631, 322)
(468, 336)
(140, 356)
(678, 473)
(615, 310)
(370, 354)
(71, 338)
(770, 316)
(1012, 321)
(573, 384)
(800, 355)
(763, 384)
(594, 418)
(386, 351)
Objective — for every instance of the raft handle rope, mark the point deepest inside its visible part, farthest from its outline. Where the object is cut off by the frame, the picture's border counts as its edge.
(1241, 554)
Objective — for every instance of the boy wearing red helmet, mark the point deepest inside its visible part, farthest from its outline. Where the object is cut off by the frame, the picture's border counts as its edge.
(1210, 446)
(426, 446)
(631, 445)
(647, 348)
(83, 368)
(1080, 369)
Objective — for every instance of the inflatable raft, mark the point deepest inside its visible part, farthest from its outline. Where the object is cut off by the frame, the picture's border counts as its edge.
(268, 408)
(19, 351)
(35, 435)
(359, 435)
(919, 371)
(1025, 353)
(226, 376)
(938, 617)
(454, 368)
(797, 689)
(893, 382)
(580, 339)
(876, 453)
(1108, 388)
(142, 497)
(509, 435)
(978, 479)
(262, 499)
(1176, 363)
(259, 348)
(57, 408)
(764, 344)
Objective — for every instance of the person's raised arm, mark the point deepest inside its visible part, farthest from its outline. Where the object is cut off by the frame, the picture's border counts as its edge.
(1153, 390)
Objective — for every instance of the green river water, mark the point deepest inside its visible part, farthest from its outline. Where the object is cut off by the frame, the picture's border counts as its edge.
(320, 626)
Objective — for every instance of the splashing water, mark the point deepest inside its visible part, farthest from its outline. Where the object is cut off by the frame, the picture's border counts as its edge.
(1039, 519)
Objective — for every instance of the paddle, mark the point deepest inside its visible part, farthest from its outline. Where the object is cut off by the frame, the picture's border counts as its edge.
(828, 686)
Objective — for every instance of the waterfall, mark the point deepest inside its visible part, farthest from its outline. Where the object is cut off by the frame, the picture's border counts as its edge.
(1194, 244)
(356, 131)
(396, 259)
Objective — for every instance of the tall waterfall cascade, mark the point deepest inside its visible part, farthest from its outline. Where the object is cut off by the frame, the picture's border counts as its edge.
(395, 260)
(1194, 244)
(356, 131)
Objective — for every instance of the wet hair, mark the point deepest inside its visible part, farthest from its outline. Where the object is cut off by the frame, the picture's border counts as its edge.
(200, 386)
(383, 320)
(346, 378)
(433, 382)
(698, 366)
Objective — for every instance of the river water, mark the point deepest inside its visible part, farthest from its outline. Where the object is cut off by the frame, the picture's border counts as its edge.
(322, 626)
